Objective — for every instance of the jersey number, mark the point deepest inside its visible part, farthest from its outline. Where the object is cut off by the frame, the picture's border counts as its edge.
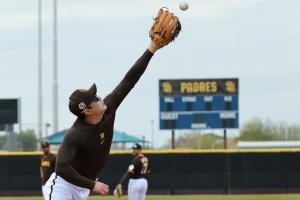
(144, 169)
(145, 165)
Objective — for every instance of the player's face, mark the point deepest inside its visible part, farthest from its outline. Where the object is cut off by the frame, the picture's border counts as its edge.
(98, 106)
(135, 152)
(46, 150)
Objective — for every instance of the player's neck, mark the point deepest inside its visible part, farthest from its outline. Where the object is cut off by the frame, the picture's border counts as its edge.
(93, 119)
(46, 154)
(140, 154)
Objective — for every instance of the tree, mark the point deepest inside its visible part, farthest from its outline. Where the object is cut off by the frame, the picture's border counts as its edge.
(253, 130)
(194, 140)
(2, 142)
(29, 140)
(257, 130)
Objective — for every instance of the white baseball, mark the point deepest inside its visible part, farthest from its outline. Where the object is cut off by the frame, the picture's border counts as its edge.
(183, 5)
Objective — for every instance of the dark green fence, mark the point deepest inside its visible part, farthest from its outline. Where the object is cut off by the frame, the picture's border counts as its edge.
(176, 172)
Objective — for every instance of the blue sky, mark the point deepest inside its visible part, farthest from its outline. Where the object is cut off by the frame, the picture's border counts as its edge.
(256, 41)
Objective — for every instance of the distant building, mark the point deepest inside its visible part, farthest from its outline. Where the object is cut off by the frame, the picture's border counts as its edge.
(268, 144)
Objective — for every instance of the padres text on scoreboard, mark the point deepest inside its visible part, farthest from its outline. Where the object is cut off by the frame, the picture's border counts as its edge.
(198, 103)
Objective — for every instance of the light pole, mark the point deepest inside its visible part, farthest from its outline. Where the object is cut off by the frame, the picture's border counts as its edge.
(152, 121)
(47, 125)
(55, 95)
(40, 120)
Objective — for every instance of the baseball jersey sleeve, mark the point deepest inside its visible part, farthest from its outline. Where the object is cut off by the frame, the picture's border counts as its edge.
(130, 171)
(126, 176)
(134, 166)
(130, 79)
(65, 156)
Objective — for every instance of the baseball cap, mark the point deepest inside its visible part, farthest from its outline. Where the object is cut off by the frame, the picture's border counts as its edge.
(45, 144)
(136, 146)
(80, 99)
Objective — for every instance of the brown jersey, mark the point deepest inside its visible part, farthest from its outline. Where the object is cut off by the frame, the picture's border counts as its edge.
(48, 166)
(139, 167)
(85, 148)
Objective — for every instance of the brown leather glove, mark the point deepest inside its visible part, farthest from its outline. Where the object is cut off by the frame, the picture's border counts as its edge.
(164, 21)
(118, 191)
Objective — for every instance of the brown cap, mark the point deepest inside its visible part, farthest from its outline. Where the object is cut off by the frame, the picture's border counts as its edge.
(136, 146)
(45, 144)
(81, 99)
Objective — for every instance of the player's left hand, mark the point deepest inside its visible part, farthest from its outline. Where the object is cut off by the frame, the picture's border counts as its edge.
(153, 47)
(118, 191)
(101, 188)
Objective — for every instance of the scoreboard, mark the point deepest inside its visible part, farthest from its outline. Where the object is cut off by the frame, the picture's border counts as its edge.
(9, 111)
(198, 104)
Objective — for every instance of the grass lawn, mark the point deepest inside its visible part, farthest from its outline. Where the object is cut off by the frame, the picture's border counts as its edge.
(202, 197)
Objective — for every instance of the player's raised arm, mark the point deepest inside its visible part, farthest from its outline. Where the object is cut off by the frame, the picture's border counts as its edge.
(165, 29)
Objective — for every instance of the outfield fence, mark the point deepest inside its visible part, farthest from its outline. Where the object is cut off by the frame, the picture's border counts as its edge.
(176, 171)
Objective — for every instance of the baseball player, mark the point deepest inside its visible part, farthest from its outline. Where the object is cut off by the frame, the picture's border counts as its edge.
(86, 145)
(47, 165)
(137, 171)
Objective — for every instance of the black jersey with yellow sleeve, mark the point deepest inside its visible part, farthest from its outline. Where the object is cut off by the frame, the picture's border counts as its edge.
(139, 167)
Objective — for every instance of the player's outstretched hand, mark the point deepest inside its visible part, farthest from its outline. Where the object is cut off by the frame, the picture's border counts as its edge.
(153, 47)
(101, 188)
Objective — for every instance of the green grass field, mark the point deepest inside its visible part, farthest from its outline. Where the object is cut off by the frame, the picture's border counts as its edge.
(202, 197)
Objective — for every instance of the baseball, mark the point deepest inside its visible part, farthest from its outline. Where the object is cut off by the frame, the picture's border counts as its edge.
(183, 5)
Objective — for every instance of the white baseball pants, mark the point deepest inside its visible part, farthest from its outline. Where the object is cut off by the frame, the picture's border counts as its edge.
(137, 189)
(57, 188)
(43, 189)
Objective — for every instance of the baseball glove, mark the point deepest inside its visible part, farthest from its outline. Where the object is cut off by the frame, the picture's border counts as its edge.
(164, 21)
(118, 191)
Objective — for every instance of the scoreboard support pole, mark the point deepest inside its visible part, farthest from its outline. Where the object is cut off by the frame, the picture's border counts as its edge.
(226, 163)
(173, 184)
(173, 139)
(225, 139)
